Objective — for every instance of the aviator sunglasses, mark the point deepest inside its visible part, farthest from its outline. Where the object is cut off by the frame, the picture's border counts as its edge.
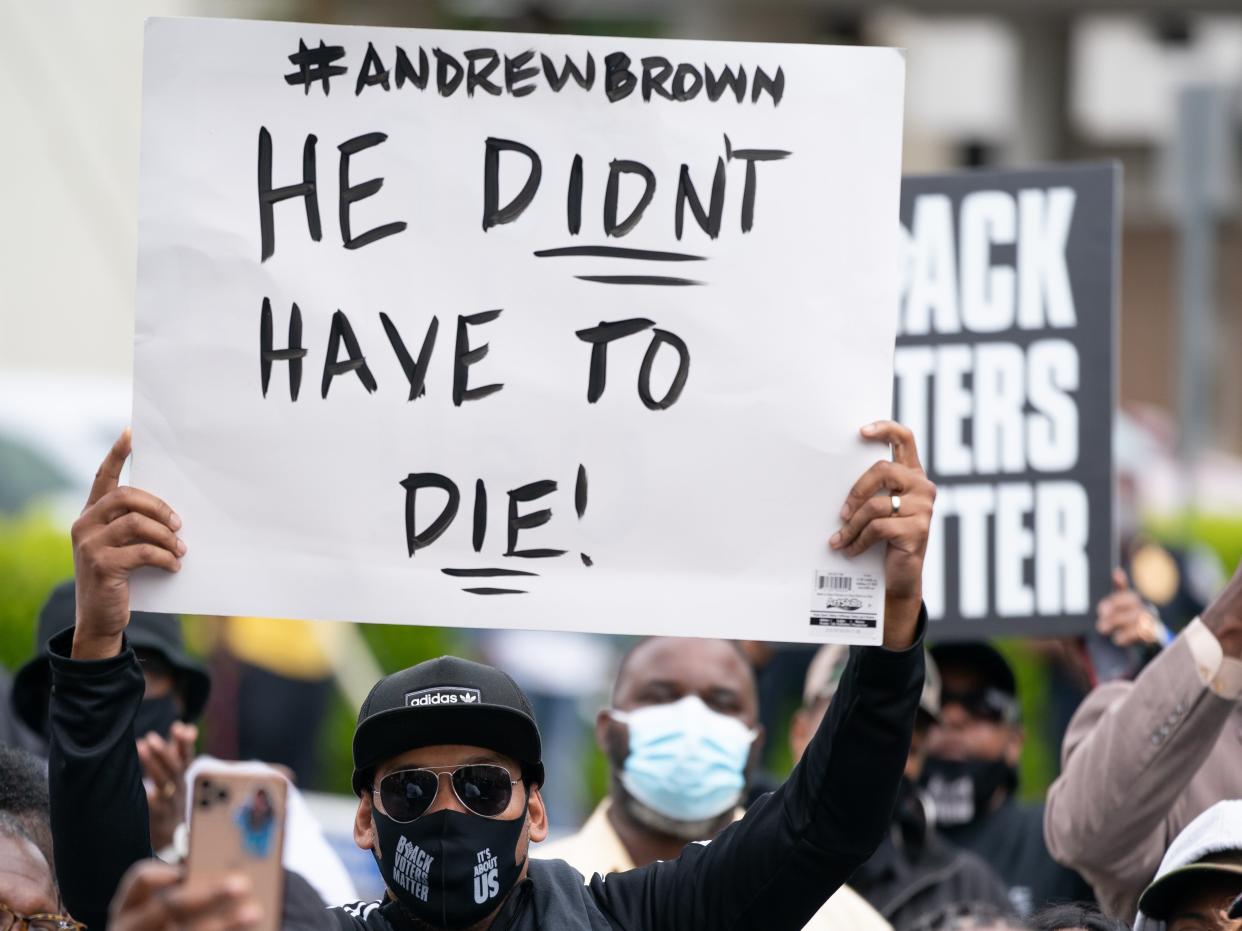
(484, 789)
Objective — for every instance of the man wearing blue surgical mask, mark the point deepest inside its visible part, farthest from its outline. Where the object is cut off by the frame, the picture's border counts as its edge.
(682, 739)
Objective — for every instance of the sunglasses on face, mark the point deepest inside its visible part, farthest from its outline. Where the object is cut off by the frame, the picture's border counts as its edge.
(11, 920)
(984, 704)
(483, 788)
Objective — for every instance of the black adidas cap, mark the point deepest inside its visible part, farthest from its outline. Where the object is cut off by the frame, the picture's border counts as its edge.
(445, 701)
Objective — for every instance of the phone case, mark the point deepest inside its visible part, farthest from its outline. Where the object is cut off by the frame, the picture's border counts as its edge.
(238, 824)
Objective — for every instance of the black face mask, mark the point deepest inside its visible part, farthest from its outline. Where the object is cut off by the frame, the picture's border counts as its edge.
(156, 714)
(961, 791)
(447, 868)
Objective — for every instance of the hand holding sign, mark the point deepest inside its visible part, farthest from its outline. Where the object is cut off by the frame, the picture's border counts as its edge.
(633, 276)
(892, 502)
(120, 529)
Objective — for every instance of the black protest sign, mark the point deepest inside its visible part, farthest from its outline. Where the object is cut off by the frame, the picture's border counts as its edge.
(1005, 369)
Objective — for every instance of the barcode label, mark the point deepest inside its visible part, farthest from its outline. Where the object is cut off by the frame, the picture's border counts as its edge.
(846, 606)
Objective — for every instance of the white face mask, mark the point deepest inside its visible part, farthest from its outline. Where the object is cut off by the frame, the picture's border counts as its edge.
(686, 762)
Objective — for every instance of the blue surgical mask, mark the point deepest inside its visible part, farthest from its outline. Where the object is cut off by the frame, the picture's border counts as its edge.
(686, 762)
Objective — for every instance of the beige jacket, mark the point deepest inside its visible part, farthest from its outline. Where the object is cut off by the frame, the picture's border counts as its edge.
(1140, 761)
(596, 848)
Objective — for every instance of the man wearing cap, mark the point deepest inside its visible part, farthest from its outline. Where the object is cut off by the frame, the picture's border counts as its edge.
(1142, 759)
(971, 776)
(175, 690)
(914, 872)
(448, 767)
(682, 739)
(1198, 886)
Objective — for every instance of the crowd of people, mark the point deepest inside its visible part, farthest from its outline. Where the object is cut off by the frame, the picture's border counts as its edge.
(902, 810)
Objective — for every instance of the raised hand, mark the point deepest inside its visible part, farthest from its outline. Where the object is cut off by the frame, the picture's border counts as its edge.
(120, 529)
(892, 502)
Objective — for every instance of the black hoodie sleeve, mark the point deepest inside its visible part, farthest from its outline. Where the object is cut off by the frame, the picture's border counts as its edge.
(775, 867)
(99, 806)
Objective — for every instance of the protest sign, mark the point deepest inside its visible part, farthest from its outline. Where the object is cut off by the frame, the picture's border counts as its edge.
(1006, 372)
(514, 330)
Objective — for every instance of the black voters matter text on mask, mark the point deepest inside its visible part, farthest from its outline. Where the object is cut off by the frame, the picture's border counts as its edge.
(411, 869)
(344, 337)
(1003, 370)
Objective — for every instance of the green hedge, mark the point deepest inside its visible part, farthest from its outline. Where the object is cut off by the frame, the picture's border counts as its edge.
(34, 555)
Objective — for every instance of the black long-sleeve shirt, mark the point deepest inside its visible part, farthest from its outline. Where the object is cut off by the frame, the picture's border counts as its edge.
(99, 807)
(773, 869)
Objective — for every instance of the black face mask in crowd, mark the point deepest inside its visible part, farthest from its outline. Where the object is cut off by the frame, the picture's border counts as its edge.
(447, 868)
(156, 714)
(959, 791)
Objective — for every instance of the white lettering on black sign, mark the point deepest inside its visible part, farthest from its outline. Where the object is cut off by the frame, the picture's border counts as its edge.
(1004, 372)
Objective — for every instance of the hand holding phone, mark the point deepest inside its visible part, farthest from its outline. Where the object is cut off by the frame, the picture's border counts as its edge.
(153, 896)
(237, 825)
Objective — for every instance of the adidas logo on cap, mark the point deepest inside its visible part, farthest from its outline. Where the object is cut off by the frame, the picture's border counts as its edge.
(443, 695)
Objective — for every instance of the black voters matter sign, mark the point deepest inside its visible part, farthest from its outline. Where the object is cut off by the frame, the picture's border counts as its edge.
(503, 330)
(1006, 371)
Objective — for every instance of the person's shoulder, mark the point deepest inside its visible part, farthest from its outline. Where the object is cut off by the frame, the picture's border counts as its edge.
(359, 915)
(1029, 820)
(564, 899)
(975, 879)
(967, 861)
(555, 870)
(1024, 816)
(1031, 810)
(302, 908)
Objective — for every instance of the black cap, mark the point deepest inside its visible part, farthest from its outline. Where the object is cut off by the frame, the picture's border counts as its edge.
(983, 658)
(448, 700)
(159, 633)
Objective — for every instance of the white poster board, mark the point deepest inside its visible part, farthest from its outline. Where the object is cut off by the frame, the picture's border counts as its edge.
(690, 495)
